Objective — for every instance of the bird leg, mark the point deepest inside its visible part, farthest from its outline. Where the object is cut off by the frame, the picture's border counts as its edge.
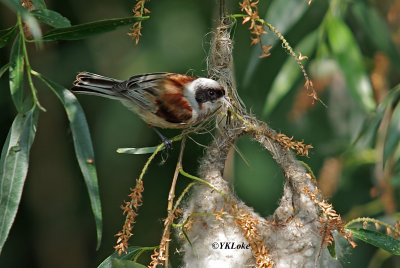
(165, 140)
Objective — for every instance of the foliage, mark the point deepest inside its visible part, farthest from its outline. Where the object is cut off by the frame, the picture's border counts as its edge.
(15, 153)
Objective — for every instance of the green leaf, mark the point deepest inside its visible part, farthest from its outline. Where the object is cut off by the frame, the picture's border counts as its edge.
(288, 74)
(14, 164)
(85, 30)
(6, 147)
(371, 123)
(350, 60)
(189, 241)
(116, 263)
(39, 4)
(6, 35)
(143, 150)
(51, 18)
(378, 239)
(282, 15)
(131, 253)
(331, 249)
(393, 134)
(376, 29)
(4, 68)
(83, 147)
(16, 73)
(233, 28)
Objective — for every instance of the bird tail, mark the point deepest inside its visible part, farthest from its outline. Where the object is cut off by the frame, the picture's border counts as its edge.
(94, 84)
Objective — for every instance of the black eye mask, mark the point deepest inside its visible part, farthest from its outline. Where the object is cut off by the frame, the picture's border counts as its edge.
(209, 94)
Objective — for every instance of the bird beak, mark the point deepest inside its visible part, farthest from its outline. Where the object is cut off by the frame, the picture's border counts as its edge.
(225, 101)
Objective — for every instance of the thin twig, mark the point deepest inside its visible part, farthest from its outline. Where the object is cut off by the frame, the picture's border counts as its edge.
(185, 191)
(194, 214)
(28, 65)
(171, 197)
(158, 149)
(143, 249)
(171, 194)
(184, 173)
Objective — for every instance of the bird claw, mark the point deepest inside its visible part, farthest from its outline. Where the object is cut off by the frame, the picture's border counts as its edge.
(167, 143)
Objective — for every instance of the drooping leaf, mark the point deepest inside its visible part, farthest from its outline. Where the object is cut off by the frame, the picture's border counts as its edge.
(143, 150)
(282, 15)
(377, 31)
(85, 30)
(4, 69)
(6, 35)
(14, 168)
(188, 240)
(16, 73)
(6, 146)
(378, 239)
(233, 29)
(131, 253)
(396, 165)
(372, 122)
(288, 74)
(350, 60)
(51, 18)
(83, 147)
(393, 135)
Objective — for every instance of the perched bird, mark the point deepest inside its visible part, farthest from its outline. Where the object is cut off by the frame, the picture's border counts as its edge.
(165, 100)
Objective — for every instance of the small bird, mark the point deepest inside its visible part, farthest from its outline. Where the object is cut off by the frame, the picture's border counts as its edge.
(165, 100)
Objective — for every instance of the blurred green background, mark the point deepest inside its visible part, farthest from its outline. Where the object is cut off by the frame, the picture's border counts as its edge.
(54, 226)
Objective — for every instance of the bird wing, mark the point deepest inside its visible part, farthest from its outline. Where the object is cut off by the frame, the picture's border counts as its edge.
(160, 94)
(142, 89)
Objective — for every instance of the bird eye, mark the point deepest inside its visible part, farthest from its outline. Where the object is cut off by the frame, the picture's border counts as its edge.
(211, 93)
